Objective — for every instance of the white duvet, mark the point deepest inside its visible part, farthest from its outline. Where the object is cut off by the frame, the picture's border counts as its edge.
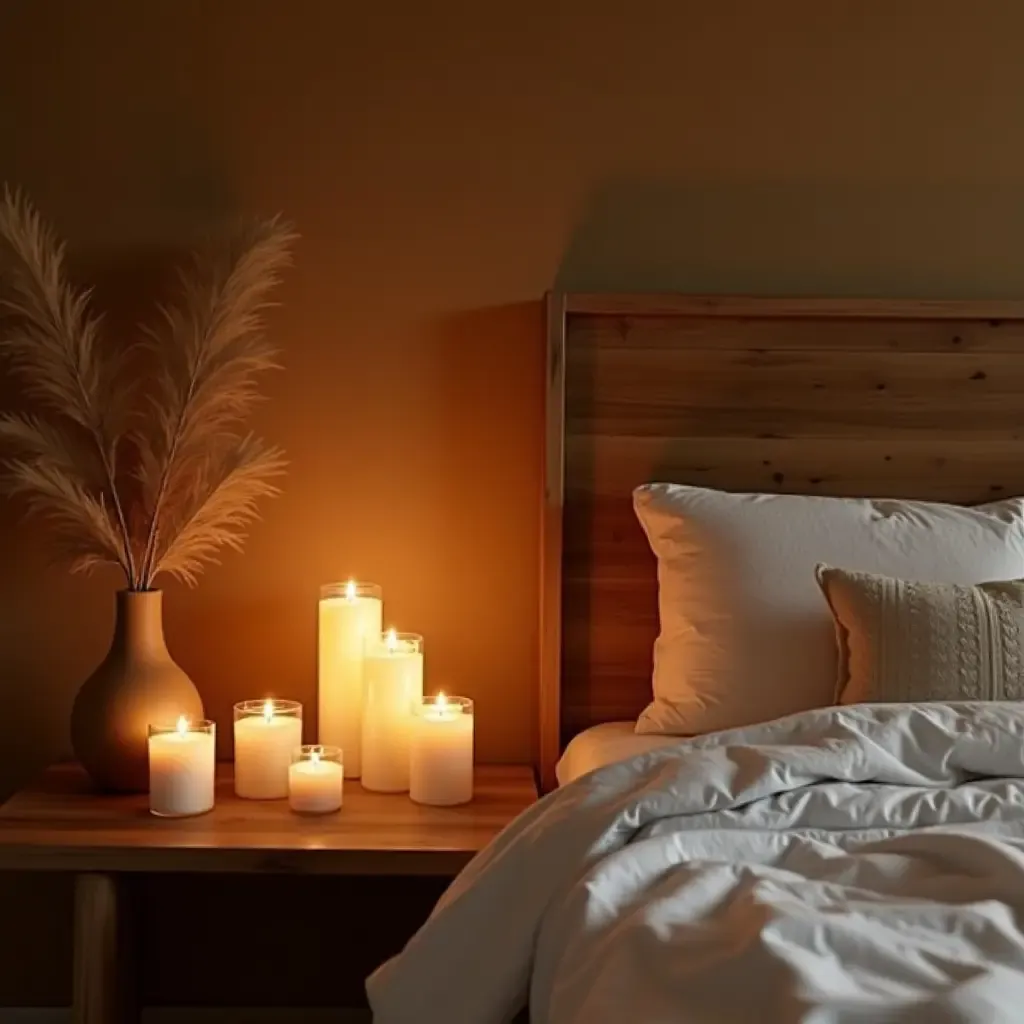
(851, 864)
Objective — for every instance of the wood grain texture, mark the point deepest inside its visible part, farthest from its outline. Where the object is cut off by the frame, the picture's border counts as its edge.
(60, 824)
(103, 987)
(838, 397)
(550, 632)
(790, 334)
(646, 304)
(732, 393)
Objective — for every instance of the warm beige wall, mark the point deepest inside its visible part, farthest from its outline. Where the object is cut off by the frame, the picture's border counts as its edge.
(446, 163)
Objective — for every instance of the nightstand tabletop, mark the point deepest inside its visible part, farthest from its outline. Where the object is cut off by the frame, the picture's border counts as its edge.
(60, 824)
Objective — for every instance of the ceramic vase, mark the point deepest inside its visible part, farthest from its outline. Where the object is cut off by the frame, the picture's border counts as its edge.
(137, 685)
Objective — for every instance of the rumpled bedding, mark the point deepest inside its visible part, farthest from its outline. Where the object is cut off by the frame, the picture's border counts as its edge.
(850, 864)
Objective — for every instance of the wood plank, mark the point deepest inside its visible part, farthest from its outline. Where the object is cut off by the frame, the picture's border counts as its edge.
(549, 693)
(981, 422)
(102, 985)
(962, 471)
(674, 305)
(795, 394)
(60, 824)
(593, 334)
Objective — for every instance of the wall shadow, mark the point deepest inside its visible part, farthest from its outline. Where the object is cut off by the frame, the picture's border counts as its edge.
(896, 240)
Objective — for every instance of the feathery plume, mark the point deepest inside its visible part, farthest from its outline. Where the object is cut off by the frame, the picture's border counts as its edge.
(160, 492)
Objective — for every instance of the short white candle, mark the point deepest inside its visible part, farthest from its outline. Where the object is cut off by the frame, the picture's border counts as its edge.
(394, 686)
(350, 614)
(316, 780)
(181, 769)
(267, 733)
(441, 760)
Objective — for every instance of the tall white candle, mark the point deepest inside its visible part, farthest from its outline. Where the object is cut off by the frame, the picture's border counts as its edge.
(316, 780)
(350, 615)
(267, 734)
(394, 685)
(181, 768)
(441, 760)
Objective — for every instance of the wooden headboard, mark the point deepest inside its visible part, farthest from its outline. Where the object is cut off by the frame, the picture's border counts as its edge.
(817, 396)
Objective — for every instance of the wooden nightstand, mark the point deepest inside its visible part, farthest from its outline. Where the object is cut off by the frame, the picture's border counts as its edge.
(59, 824)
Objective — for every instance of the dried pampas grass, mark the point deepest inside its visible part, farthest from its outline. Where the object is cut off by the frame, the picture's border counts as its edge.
(153, 478)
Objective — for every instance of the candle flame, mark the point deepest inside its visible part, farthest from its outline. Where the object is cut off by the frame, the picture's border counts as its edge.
(268, 710)
(441, 701)
(314, 757)
(350, 590)
(182, 725)
(391, 640)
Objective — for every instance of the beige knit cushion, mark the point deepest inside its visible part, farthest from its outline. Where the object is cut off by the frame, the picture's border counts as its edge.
(905, 641)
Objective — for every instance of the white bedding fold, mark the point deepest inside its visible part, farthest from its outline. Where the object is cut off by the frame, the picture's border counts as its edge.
(848, 864)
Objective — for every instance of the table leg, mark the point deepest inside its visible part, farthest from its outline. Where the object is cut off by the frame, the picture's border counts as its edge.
(103, 987)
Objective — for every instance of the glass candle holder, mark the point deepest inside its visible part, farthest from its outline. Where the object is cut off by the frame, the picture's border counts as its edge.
(316, 779)
(181, 768)
(393, 669)
(349, 614)
(266, 734)
(441, 754)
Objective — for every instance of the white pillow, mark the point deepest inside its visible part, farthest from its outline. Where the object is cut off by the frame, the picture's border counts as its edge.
(745, 634)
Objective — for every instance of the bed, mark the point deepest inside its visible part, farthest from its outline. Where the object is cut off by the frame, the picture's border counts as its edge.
(719, 877)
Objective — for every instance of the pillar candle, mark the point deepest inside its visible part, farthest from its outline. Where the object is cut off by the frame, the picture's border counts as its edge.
(394, 685)
(316, 780)
(441, 760)
(181, 768)
(350, 615)
(267, 734)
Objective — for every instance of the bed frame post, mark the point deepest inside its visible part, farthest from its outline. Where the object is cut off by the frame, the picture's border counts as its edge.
(550, 682)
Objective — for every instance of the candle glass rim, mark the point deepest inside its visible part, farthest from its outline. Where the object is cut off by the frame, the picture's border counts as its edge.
(340, 589)
(203, 725)
(429, 702)
(255, 708)
(415, 640)
(327, 752)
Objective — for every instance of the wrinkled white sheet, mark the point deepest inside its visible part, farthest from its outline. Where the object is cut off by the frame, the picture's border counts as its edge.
(851, 864)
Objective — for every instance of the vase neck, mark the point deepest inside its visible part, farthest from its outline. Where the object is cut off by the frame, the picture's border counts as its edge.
(140, 622)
